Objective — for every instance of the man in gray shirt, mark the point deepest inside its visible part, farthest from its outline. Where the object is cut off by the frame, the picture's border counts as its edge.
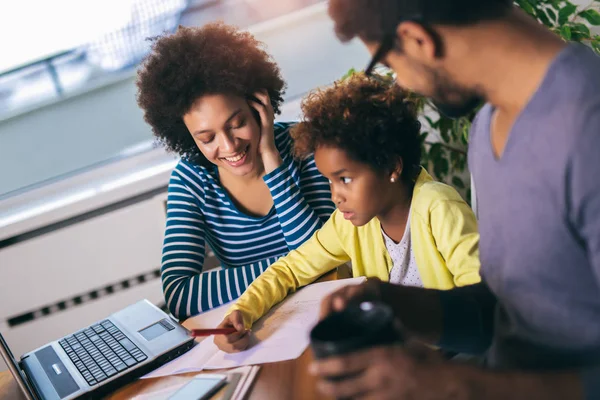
(535, 158)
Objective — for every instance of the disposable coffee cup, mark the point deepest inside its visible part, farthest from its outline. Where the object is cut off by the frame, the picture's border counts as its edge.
(359, 326)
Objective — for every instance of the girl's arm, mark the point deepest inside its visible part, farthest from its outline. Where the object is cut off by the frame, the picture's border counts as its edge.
(318, 255)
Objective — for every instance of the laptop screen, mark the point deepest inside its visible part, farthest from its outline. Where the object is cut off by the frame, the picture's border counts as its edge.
(16, 372)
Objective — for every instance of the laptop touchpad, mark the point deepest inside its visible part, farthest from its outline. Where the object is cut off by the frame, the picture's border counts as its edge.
(59, 376)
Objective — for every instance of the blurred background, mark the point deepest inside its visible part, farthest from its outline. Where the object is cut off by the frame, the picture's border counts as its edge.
(82, 186)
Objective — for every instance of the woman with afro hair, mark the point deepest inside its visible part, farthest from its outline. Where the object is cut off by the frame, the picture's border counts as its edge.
(393, 221)
(210, 95)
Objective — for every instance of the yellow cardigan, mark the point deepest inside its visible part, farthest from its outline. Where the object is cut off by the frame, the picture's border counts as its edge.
(444, 239)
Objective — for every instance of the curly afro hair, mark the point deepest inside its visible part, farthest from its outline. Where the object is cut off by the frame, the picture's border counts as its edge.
(183, 66)
(372, 119)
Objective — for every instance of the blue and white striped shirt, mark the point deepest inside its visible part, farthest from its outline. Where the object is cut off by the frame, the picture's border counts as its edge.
(199, 210)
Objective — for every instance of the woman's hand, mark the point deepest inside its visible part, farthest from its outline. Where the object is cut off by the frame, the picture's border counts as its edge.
(237, 341)
(266, 146)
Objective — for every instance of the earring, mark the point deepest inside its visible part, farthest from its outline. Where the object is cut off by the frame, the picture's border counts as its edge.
(393, 180)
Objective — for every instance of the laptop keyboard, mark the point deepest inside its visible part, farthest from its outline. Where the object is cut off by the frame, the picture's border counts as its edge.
(101, 351)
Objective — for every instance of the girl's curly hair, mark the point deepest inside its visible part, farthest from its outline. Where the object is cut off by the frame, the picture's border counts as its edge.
(371, 118)
(181, 67)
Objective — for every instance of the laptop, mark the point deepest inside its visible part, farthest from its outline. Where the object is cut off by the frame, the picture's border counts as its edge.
(102, 357)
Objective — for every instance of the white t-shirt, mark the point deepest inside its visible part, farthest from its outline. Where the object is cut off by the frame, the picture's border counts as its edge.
(404, 271)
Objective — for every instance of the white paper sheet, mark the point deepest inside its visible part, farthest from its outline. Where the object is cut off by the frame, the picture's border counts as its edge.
(282, 334)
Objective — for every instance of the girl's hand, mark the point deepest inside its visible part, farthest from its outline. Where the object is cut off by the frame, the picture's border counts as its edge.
(234, 342)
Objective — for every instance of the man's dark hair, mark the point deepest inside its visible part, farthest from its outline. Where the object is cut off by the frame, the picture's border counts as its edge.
(373, 19)
(372, 119)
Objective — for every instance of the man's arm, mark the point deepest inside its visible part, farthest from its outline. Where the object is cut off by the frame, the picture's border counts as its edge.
(460, 319)
(409, 373)
(491, 385)
(467, 318)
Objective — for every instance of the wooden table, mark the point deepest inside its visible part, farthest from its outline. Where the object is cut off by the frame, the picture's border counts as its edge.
(282, 380)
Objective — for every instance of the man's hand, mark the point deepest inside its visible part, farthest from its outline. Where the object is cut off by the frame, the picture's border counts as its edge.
(338, 300)
(417, 372)
(418, 310)
(390, 372)
(237, 341)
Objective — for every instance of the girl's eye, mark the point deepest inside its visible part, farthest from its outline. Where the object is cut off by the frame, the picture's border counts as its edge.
(346, 181)
(207, 141)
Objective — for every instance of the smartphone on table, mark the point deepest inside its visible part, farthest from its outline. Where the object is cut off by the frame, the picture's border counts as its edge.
(202, 387)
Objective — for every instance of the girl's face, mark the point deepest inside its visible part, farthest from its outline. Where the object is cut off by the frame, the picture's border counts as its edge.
(357, 190)
(226, 132)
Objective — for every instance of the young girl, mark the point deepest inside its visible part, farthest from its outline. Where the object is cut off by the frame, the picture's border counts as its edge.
(393, 221)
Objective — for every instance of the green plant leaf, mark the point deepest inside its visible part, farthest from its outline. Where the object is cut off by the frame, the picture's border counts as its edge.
(565, 13)
(554, 3)
(465, 133)
(592, 16)
(565, 32)
(457, 129)
(541, 15)
(430, 122)
(423, 136)
(445, 126)
(424, 154)
(443, 168)
(551, 14)
(528, 8)
(445, 135)
(348, 74)
(456, 181)
(581, 31)
(460, 166)
(454, 159)
(435, 151)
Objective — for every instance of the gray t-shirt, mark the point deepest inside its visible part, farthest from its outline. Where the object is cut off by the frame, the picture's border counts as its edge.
(539, 220)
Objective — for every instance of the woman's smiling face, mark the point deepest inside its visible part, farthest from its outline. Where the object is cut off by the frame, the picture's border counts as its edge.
(226, 132)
